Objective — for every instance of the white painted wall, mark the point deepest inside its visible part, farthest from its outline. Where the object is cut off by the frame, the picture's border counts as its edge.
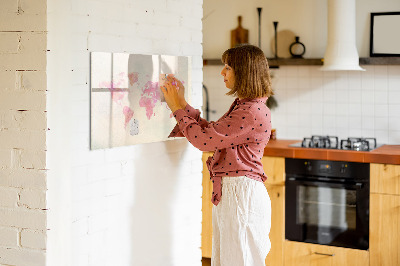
(311, 102)
(306, 18)
(135, 205)
(23, 133)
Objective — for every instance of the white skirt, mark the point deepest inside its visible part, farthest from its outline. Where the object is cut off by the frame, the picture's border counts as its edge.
(241, 223)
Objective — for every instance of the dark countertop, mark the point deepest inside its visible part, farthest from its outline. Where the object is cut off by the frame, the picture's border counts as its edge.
(389, 154)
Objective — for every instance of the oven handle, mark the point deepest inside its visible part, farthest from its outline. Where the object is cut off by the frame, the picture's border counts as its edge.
(324, 254)
(357, 185)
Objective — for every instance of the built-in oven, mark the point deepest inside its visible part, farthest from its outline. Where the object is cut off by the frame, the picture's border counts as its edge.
(327, 202)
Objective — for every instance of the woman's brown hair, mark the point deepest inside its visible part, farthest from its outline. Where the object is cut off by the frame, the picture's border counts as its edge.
(250, 66)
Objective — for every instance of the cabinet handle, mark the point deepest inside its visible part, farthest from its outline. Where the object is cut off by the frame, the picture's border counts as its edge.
(324, 254)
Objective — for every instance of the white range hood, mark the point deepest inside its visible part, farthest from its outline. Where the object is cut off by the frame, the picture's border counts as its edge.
(341, 51)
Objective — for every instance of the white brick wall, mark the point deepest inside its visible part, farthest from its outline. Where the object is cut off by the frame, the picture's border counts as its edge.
(22, 132)
(134, 205)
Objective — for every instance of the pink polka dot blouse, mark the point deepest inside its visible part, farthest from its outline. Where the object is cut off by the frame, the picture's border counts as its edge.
(238, 139)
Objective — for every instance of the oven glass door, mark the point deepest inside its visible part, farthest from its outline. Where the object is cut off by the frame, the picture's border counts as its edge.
(326, 213)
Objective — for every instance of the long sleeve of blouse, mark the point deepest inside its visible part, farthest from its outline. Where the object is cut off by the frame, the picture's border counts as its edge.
(238, 139)
(193, 113)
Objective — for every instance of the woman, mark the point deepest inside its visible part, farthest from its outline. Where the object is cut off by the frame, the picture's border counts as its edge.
(242, 208)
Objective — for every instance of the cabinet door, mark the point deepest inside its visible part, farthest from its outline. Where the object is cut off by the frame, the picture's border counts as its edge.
(385, 178)
(206, 226)
(304, 254)
(384, 230)
(274, 168)
(277, 233)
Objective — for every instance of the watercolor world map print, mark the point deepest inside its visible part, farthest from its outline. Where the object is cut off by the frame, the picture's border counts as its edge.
(127, 105)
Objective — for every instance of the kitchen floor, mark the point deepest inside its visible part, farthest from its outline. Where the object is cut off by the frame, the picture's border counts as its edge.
(206, 261)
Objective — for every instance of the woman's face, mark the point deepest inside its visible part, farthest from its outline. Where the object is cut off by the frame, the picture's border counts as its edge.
(229, 76)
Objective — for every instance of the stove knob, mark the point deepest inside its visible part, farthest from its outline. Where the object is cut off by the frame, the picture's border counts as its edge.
(343, 168)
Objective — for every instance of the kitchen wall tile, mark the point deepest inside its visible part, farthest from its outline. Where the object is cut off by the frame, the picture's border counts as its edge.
(320, 99)
(381, 136)
(355, 109)
(342, 133)
(354, 80)
(342, 109)
(317, 108)
(367, 96)
(342, 80)
(342, 96)
(394, 137)
(317, 121)
(380, 84)
(381, 97)
(317, 131)
(355, 96)
(304, 72)
(291, 71)
(394, 123)
(329, 109)
(382, 123)
(303, 82)
(355, 132)
(367, 109)
(394, 71)
(315, 72)
(367, 133)
(381, 110)
(317, 95)
(367, 82)
(292, 82)
(329, 122)
(316, 82)
(354, 122)
(394, 110)
(394, 82)
(394, 97)
(368, 122)
(328, 74)
(342, 122)
(380, 71)
(329, 93)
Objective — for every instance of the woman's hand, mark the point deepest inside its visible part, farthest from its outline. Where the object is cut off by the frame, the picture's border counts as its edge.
(181, 91)
(173, 94)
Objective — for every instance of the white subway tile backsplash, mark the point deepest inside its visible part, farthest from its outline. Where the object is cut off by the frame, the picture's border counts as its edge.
(382, 136)
(367, 96)
(292, 83)
(367, 110)
(382, 123)
(381, 97)
(380, 71)
(393, 71)
(348, 103)
(394, 82)
(394, 97)
(355, 109)
(368, 122)
(394, 137)
(394, 110)
(380, 84)
(394, 123)
(381, 110)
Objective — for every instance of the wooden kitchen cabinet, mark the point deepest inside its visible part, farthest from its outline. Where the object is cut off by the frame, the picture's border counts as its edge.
(385, 178)
(384, 215)
(274, 168)
(206, 225)
(305, 254)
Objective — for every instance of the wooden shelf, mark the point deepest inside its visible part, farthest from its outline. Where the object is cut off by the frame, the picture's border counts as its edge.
(273, 63)
(380, 61)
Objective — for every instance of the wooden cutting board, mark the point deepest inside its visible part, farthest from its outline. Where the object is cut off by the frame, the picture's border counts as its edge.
(239, 35)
